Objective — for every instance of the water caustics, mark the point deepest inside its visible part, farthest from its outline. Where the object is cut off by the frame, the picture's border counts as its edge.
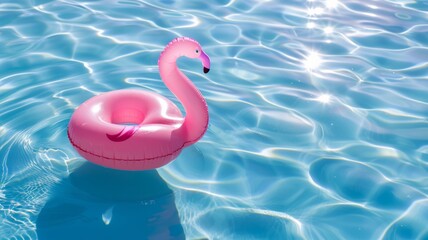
(318, 113)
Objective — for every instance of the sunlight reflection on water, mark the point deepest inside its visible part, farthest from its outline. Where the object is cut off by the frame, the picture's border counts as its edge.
(318, 116)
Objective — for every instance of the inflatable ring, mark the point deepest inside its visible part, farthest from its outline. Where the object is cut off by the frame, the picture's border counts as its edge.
(139, 130)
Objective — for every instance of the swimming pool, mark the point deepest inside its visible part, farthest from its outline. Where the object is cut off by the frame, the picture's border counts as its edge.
(318, 120)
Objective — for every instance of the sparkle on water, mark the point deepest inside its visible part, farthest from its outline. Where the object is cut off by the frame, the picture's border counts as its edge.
(311, 25)
(324, 98)
(331, 3)
(328, 30)
(312, 61)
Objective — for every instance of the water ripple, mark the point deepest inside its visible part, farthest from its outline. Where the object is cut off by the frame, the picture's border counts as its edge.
(318, 111)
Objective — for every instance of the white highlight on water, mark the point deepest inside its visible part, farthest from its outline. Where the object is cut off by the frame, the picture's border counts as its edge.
(332, 4)
(315, 11)
(328, 30)
(324, 98)
(107, 215)
(311, 25)
(312, 61)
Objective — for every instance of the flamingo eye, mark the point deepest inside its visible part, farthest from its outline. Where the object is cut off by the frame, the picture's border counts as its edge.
(197, 51)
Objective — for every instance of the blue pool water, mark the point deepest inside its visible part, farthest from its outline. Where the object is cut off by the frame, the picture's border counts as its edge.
(318, 119)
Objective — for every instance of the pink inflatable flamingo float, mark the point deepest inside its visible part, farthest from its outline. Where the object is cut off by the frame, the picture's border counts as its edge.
(159, 132)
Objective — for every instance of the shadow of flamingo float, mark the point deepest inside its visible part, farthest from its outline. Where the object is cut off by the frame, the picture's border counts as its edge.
(158, 132)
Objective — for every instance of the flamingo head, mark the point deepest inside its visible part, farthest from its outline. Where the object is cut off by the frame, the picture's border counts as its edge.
(192, 49)
(184, 46)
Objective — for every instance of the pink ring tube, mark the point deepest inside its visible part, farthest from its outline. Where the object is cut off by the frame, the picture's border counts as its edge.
(156, 131)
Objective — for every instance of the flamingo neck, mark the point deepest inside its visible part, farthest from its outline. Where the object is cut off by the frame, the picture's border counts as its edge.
(196, 121)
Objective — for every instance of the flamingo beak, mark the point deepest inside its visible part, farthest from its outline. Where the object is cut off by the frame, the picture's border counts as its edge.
(206, 63)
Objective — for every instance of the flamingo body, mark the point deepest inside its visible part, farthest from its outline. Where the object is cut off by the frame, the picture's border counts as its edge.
(138, 130)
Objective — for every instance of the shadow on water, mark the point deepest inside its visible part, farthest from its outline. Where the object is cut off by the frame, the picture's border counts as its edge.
(100, 203)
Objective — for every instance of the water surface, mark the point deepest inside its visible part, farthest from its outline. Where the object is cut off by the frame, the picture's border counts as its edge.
(318, 119)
